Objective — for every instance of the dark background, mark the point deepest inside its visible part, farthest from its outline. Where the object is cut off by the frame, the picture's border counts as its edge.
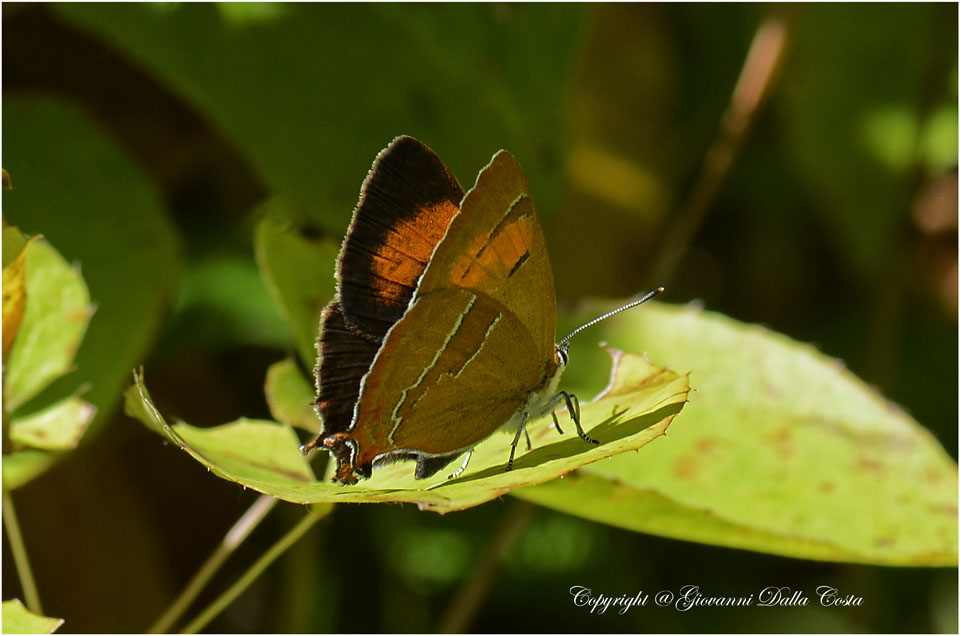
(835, 224)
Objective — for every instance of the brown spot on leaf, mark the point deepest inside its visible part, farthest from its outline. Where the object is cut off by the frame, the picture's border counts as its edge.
(686, 467)
(871, 465)
(782, 442)
(707, 444)
(946, 509)
(772, 390)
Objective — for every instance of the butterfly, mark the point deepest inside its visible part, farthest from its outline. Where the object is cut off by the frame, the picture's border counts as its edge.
(442, 328)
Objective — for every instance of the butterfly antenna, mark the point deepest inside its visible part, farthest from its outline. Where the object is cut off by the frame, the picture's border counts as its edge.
(565, 343)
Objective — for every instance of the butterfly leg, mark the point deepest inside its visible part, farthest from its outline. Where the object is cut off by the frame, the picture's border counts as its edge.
(527, 435)
(573, 408)
(556, 423)
(463, 466)
(516, 440)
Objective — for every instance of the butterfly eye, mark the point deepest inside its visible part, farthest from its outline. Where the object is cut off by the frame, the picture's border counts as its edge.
(562, 354)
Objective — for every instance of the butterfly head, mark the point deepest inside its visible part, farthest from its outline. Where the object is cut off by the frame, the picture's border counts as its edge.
(563, 354)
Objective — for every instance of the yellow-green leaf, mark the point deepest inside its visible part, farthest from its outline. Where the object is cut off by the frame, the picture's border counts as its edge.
(13, 242)
(17, 619)
(782, 450)
(24, 465)
(299, 273)
(54, 321)
(638, 408)
(57, 427)
(290, 397)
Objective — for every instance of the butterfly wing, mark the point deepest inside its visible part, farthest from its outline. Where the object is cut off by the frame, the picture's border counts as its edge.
(451, 372)
(495, 246)
(406, 203)
(479, 337)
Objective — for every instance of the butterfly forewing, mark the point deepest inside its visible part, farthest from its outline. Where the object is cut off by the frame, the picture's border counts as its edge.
(406, 204)
(495, 245)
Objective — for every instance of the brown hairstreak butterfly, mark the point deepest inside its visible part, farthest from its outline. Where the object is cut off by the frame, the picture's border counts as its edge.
(442, 329)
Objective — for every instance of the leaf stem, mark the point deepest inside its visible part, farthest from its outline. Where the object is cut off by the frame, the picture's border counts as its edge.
(760, 68)
(19, 550)
(473, 593)
(316, 513)
(234, 537)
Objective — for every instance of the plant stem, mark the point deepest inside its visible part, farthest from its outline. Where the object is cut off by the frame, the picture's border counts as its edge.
(316, 513)
(475, 590)
(19, 550)
(764, 59)
(234, 537)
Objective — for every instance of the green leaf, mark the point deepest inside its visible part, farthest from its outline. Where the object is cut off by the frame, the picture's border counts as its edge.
(23, 466)
(513, 61)
(782, 450)
(58, 427)
(259, 450)
(54, 320)
(100, 211)
(637, 408)
(290, 397)
(138, 404)
(13, 243)
(299, 273)
(18, 620)
(246, 451)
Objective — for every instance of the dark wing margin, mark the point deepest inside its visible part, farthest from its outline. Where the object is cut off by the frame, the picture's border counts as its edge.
(344, 358)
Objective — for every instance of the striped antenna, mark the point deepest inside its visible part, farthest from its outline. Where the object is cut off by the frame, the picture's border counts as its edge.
(565, 343)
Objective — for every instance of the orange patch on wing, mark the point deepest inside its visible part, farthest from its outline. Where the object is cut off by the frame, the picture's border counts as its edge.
(407, 249)
(502, 251)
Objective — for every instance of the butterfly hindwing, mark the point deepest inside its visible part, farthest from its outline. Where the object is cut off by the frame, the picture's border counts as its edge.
(450, 373)
(344, 358)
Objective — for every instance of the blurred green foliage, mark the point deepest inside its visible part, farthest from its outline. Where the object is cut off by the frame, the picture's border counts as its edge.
(142, 139)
